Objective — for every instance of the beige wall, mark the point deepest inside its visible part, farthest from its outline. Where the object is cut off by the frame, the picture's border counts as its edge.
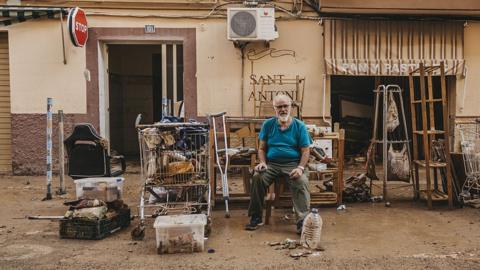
(37, 70)
(468, 101)
(219, 66)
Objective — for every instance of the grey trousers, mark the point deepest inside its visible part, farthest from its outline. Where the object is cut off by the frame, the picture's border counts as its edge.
(279, 172)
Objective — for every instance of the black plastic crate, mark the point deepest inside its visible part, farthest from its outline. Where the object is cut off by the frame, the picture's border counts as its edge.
(79, 228)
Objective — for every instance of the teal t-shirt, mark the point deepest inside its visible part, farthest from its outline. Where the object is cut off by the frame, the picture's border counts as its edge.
(284, 145)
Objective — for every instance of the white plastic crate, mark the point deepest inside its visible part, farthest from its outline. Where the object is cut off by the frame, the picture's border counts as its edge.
(107, 189)
(180, 233)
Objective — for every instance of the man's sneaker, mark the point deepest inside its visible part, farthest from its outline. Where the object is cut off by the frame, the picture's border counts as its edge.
(299, 227)
(254, 223)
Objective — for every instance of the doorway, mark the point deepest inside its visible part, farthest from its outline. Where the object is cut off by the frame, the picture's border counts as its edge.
(352, 105)
(143, 79)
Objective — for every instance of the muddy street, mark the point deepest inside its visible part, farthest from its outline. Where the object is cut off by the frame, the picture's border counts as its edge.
(364, 236)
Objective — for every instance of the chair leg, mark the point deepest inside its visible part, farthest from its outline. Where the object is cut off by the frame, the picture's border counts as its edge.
(269, 203)
(268, 212)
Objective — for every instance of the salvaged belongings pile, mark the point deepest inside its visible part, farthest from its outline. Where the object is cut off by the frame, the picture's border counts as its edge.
(320, 150)
(356, 189)
(181, 152)
(93, 218)
(93, 209)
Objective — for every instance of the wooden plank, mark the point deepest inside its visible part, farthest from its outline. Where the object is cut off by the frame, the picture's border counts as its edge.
(430, 97)
(446, 136)
(5, 168)
(5, 104)
(4, 147)
(426, 149)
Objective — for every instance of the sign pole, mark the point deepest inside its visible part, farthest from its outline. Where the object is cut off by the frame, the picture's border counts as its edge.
(61, 154)
(49, 149)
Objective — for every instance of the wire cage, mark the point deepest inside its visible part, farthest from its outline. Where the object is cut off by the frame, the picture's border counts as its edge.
(470, 145)
(174, 162)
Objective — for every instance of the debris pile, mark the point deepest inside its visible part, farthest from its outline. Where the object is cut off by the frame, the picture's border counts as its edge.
(294, 249)
(356, 189)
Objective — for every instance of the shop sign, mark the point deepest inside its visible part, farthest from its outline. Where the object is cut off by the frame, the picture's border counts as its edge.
(386, 67)
(266, 87)
(78, 27)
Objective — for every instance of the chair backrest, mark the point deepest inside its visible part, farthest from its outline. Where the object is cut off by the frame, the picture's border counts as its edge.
(87, 156)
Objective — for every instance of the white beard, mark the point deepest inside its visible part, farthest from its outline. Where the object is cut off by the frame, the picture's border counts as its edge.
(284, 118)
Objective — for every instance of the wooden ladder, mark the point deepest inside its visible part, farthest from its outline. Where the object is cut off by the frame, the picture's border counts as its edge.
(428, 133)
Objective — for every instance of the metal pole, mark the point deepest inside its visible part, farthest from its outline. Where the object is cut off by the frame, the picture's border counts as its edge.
(49, 149)
(385, 143)
(61, 154)
(63, 38)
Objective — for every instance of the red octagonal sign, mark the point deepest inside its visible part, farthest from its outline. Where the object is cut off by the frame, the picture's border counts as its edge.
(78, 27)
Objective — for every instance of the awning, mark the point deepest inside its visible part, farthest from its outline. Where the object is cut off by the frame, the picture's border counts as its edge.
(14, 14)
(391, 48)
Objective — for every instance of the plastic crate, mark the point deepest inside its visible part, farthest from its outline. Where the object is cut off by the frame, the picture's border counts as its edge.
(107, 189)
(79, 228)
(180, 233)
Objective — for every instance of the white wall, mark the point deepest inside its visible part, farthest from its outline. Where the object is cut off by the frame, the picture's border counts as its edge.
(467, 103)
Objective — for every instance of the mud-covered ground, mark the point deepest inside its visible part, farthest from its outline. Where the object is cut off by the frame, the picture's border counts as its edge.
(364, 236)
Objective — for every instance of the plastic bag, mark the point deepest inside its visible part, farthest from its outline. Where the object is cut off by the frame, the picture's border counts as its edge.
(398, 165)
(392, 114)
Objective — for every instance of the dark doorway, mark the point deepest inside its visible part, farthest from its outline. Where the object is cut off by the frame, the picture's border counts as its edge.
(140, 77)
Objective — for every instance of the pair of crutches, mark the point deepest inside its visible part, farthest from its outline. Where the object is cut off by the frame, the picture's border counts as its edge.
(223, 171)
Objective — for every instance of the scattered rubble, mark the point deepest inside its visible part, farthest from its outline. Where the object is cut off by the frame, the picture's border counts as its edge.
(296, 250)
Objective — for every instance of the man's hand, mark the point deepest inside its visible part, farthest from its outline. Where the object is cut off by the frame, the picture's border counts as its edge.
(261, 167)
(297, 172)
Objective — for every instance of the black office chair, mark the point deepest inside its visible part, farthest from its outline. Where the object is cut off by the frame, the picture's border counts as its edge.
(88, 154)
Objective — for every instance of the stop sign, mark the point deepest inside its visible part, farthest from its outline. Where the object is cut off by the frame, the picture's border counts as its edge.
(77, 27)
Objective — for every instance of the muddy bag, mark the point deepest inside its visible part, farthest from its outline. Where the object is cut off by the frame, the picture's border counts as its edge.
(392, 114)
(398, 165)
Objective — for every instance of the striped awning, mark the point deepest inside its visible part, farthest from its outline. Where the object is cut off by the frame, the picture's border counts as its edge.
(14, 14)
(391, 48)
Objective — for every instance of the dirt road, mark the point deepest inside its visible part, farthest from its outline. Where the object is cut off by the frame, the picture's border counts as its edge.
(365, 236)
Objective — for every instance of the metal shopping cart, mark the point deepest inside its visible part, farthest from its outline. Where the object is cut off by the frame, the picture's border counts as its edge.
(470, 144)
(174, 160)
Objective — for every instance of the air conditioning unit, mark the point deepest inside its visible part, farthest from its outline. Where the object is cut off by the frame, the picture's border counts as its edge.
(251, 24)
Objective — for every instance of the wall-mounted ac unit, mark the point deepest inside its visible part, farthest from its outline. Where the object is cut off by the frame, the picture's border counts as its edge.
(251, 24)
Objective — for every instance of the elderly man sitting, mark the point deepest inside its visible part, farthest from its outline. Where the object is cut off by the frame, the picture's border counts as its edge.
(283, 152)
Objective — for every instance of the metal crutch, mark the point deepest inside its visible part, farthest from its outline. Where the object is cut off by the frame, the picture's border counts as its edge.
(223, 172)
